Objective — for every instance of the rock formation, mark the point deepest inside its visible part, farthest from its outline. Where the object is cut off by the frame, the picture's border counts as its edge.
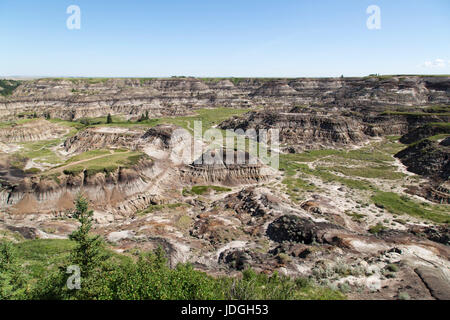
(78, 98)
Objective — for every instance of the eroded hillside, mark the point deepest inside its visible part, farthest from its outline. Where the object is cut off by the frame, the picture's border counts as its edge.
(358, 201)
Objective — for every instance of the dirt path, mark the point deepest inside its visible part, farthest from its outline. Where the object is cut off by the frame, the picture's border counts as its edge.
(60, 169)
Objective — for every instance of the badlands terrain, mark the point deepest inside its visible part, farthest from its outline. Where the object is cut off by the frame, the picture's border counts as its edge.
(358, 200)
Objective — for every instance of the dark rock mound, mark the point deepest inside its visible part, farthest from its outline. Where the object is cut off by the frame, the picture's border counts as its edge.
(26, 232)
(424, 132)
(296, 229)
(163, 132)
(427, 158)
(240, 259)
(440, 234)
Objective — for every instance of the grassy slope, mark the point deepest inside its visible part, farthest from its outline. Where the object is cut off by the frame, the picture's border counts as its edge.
(354, 168)
(402, 205)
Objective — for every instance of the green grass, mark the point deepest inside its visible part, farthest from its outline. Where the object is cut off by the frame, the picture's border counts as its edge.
(80, 80)
(40, 256)
(209, 118)
(9, 124)
(184, 222)
(199, 190)
(7, 87)
(159, 207)
(289, 164)
(373, 161)
(121, 277)
(438, 108)
(381, 172)
(107, 164)
(355, 216)
(438, 137)
(88, 155)
(393, 138)
(40, 151)
(327, 176)
(444, 125)
(400, 205)
(377, 228)
(415, 114)
(376, 153)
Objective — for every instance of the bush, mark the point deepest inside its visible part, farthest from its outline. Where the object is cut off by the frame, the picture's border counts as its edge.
(403, 296)
(150, 277)
(12, 281)
(392, 267)
(377, 228)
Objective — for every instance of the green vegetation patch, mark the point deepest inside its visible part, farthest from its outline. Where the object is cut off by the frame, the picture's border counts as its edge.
(39, 256)
(443, 125)
(88, 155)
(415, 114)
(208, 117)
(40, 151)
(377, 228)
(159, 207)
(108, 163)
(355, 216)
(396, 204)
(7, 87)
(200, 190)
(289, 164)
(382, 172)
(37, 269)
(438, 137)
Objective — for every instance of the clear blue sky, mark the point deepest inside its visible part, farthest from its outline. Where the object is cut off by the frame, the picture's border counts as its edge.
(256, 38)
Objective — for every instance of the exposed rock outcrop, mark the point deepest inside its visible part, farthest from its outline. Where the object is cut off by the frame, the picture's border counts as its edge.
(33, 130)
(428, 158)
(103, 138)
(318, 127)
(294, 228)
(105, 189)
(227, 167)
(78, 98)
(424, 132)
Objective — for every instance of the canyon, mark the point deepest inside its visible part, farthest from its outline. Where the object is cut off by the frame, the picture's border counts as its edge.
(358, 202)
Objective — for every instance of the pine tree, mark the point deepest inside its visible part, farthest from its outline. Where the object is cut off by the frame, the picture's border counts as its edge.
(12, 281)
(88, 251)
(109, 118)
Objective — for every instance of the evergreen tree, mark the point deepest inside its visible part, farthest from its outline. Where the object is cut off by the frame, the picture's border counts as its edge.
(109, 118)
(12, 281)
(88, 251)
(144, 117)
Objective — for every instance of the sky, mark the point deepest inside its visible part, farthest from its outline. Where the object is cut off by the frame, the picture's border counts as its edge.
(232, 38)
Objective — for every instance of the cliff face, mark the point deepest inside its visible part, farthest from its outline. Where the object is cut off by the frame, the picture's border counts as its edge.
(219, 169)
(78, 98)
(424, 132)
(104, 137)
(428, 158)
(56, 193)
(32, 131)
(324, 127)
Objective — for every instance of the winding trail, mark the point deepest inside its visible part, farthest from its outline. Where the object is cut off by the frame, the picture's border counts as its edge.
(60, 169)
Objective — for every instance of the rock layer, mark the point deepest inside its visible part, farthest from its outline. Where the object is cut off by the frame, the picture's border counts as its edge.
(78, 98)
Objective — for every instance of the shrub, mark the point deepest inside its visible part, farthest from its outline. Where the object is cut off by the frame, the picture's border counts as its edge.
(12, 281)
(377, 228)
(403, 296)
(392, 267)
